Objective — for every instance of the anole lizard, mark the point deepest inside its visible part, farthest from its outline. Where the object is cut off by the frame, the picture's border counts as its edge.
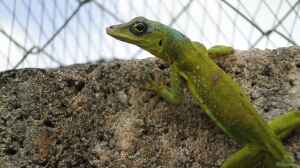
(214, 91)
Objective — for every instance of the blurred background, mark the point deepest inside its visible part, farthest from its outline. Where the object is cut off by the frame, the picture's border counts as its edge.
(54, 33)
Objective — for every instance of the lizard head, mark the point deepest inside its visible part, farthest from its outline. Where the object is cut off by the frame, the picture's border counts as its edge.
(152, 36)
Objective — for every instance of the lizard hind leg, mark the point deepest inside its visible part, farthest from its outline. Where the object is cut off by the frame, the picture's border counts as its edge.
(284, 124)
(269, 162)
(250, 155)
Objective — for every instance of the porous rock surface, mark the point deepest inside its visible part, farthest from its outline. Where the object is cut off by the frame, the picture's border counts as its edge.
(101, 115)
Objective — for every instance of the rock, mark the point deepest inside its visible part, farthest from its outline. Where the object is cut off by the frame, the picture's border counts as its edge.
(100, 115)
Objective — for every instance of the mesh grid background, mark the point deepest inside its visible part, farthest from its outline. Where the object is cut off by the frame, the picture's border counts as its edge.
(40, 33)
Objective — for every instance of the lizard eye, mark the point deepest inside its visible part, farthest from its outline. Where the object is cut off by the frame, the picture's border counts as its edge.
(138, 28)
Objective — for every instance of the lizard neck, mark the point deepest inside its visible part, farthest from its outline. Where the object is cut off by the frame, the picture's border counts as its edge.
(176, 47)
(180, 50)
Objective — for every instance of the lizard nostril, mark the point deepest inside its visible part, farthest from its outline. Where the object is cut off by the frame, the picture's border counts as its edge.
(111, 27)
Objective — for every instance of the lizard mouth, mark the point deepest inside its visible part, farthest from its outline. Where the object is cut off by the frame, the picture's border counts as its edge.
(116, 32)
(111, 31)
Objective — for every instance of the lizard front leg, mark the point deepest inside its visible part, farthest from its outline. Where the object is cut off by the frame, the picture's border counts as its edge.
(215, 51)
(251, 155)
(172, 94)
(219, 51)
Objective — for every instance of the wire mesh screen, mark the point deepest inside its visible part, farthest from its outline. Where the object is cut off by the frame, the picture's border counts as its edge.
(52, 33)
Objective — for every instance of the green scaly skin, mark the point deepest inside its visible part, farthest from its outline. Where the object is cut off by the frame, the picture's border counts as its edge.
(215, 92)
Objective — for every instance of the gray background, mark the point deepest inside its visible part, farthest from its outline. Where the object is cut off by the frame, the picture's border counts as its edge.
(52, 33)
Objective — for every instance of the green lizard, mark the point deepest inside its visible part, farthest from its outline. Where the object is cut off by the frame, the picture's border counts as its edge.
(215, 92)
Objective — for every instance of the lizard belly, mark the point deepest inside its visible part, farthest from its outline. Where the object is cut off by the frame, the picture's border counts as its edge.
(225, 103)
(229, 108)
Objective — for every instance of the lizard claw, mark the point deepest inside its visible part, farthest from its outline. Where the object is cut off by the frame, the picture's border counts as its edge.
(152, 85)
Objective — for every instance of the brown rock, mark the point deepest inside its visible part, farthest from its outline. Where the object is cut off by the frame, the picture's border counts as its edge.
(100, 115)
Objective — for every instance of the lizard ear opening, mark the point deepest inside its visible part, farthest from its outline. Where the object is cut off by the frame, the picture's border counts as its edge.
(160, 42)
